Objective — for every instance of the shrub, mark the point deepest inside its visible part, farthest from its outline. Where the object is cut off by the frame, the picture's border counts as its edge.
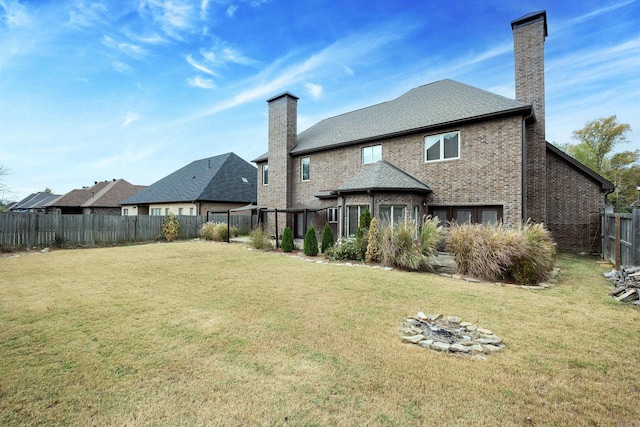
(345, 250)
(524, 253)
(431, 235)
(398, 249)
(260, 239)
(373, 242)
(170, 227)
(327, 239)
(310, 242)
(217, 231)
(287, 240)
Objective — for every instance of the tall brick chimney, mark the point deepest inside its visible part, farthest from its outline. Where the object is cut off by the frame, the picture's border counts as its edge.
(283, 130)
(529, 33)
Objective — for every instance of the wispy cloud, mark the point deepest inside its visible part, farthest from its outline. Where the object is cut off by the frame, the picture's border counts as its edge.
(231, 10)
(15, 14)
(175, 17)
(130, 118)
(86, 16)
(593, 14)
(199, 82)
(132, 50)
(314, 90)
(121, 67)
(204, 4)
(200, 67)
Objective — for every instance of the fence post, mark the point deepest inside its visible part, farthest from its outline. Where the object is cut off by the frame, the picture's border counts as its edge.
(635, 230)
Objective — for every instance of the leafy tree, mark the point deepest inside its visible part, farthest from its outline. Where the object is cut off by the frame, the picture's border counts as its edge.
(287, 240)
(170, 228)
(3, 187)
(596, 140)
(48, 191)
(327, 239)
(310, 242)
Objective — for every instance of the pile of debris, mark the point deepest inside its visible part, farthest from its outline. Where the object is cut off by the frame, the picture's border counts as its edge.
(627, 284)
(450, 335)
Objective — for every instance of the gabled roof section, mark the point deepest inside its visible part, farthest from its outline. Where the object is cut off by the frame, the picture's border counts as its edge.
(383, 176)
(35, 201)
(605, 184)
(223, 178)
(445, 102)
(102, 194)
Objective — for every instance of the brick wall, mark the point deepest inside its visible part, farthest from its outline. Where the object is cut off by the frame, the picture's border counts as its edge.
(573, 203)
(528, 43)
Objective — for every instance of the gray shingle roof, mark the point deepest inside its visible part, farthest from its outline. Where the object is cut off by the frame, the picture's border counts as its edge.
(214, 179)
(383, 176)
(434, 104)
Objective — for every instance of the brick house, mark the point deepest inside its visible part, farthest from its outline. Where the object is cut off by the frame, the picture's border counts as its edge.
(216, 183)
(444, 149)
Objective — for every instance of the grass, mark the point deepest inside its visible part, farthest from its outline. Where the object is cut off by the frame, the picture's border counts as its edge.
(199, 333)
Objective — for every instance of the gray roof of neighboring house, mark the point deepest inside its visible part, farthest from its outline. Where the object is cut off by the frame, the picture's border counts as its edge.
(35, 201)
(383, 176)
(445, 102)
(102, 194)
(214, 179)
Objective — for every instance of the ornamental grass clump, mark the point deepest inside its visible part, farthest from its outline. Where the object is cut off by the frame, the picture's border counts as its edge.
(524, 253)
(398, 249)
(259, 239)
(431, 235)
(310, 242)
(217, 231)
(287, 240)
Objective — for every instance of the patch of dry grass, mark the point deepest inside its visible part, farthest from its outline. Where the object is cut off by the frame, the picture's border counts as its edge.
(198, 333)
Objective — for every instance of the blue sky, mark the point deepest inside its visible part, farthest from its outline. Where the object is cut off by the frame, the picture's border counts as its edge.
(96, 90)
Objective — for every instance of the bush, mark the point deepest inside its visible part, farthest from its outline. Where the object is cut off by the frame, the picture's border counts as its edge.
(170, 228)
(398, 249)
(327, 239)
(287, 240)
(373, 242)
(431, 236)
(524, 253)
(217, 231)
(260, 239)
(310, 242)
(345, 250)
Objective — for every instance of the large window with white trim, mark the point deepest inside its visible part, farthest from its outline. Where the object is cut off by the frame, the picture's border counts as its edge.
(353, 218)
(442, 147)
(371, 154)
(391, 215)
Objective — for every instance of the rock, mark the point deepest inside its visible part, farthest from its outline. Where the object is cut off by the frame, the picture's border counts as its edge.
(413, 339)
(471, 280)
(425, 343)
(491, 348)
(388, 268)
(454, 319)
(459, 348)
(472, 328)
(440, 346)
(434, 317)
(477, 348)
(465, 324)
(421, 316)
(484, 331)
(486, 341)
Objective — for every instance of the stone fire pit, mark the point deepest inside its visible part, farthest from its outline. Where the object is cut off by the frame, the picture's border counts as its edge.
(450, 335)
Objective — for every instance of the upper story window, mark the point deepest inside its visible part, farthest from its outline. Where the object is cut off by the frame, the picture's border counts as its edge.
(442, 147)
(265, 174)
(371, 154)
(305, 163)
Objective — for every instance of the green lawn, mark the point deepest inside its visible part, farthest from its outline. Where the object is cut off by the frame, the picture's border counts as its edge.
(199, 333)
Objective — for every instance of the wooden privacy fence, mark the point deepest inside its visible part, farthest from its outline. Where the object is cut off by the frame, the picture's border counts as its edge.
(621, 237)
(21, 230)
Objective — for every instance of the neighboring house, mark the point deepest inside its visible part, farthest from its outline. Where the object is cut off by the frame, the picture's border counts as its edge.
(213, 184)
(101, 198)
(444, 149)
(35, 202)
